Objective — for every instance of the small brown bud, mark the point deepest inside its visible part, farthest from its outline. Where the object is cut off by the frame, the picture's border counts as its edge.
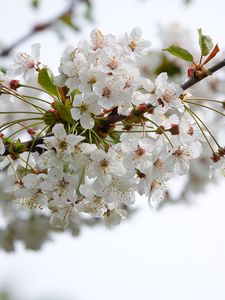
(14, 84)
(142, 107)
(215, 157)
(31, 131)
(160, 129)
(174, 129)
(221, 151)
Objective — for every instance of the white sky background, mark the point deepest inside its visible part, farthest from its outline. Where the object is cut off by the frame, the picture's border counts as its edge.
(177, 253)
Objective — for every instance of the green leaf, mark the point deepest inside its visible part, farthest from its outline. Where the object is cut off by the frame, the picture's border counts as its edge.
(35, 3)
(46, 81)
(205, 43)
(168, 66)
(180, 52)
(68, 20)
(88, 12)
(64, 111)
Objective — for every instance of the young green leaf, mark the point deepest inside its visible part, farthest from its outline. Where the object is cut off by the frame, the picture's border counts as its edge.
(35, 4)
(180, 52)
(64, 111)
(46, 81)
(68, 20)
(205, 43)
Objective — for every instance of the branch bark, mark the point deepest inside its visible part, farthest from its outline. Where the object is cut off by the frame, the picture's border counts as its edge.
(115, 117)
(190, 82)
(38, 28)
(28, 145)
(185, 85)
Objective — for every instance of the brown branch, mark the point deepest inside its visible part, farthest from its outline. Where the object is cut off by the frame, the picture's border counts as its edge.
(115, 117)
(38, 28)
(190, 82)
(187, 84)
(30, 144)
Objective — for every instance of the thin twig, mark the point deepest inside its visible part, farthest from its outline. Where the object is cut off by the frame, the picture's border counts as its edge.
(115, 117)
(38, 28)
(190, 82)
(31, 144)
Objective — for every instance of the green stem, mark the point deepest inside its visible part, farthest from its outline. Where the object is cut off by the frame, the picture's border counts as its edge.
(34, 141)
(195, 117)
(204, 99)
(11, 123)
(208, 107)
(163, 132)
(37, 89)
(20, 112)
(18, 96)
(24, 127)
(38, 99)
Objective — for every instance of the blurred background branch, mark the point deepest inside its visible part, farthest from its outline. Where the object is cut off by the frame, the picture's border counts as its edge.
(66, 18)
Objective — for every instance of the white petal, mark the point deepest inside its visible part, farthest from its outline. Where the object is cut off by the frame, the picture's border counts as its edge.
(181, 166)
(86, 121)
(59, 131)
(75, 113)
(136, 33)
(35, 52)
(2, 147)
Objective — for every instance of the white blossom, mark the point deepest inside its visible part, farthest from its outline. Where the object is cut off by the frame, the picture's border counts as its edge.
(2, 147)
(84, 106)
(114, 217)
(111, 134)
(104, 166)
(181, 156)
(25, 63)
(218, 168)
(134, 42)
(167, 93)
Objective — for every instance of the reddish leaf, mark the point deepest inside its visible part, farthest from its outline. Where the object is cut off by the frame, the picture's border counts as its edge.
(212, 54)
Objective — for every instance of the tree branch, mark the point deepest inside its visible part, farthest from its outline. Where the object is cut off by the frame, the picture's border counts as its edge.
(28, 146)
(115, 117)
(190, 82)
(38, 28)
(187, 84)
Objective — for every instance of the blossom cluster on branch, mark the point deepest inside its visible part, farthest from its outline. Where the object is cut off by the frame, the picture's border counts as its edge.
(100, 133)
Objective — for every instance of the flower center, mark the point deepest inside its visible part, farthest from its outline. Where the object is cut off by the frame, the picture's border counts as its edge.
(26, 61)
(133, 45)
(63, 145)
(167, 96)
(106, 92)
(159, 164)
(104, 164)
(92, 80)
(113, 64)
(191, 130)
(83, 107)
(140, 152)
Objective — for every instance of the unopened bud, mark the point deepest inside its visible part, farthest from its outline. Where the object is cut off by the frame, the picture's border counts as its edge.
(221, 151)
(14, 84)
(160, 129)
(142, 107)
(174, 130)
(215, 157)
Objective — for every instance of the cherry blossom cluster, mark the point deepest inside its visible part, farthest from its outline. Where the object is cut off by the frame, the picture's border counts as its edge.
(210, 92)
(107, 134)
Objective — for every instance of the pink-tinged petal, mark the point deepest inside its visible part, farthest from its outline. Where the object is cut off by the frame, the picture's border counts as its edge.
(59, 131)
(86, 121)
(75, 113)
